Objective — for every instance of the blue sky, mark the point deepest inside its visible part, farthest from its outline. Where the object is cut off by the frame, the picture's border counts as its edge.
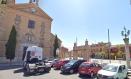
(87, 19)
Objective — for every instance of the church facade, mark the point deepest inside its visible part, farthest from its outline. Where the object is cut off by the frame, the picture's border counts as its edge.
(32, 24)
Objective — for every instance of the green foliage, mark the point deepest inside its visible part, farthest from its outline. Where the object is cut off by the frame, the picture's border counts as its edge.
(11, 44)
(56, 45)
(3, 1)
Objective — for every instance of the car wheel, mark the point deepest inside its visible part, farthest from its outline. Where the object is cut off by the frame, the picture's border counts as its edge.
(126, 77)
(27, 72)
(92, 75)
(41, 70)
(97, 77)
(61, 72)
(80, 75)
(71, 71)
(48, 70)
(28, 69)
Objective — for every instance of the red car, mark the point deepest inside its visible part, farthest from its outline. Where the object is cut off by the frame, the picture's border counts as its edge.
(60, 63)
(89, 68)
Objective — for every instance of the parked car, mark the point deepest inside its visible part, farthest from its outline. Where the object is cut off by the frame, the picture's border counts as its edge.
(113, 71)
(59, 64)
(72, 66)
(103, 64)
(48, 63)
(53, 62)
(89, 69)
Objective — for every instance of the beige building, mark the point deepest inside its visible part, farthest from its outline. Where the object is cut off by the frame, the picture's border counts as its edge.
(33, 27)
(85, 51)
(81, 51)
(64, 52)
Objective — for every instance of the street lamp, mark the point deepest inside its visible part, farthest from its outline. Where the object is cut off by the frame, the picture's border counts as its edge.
(58, 52)
(125, 33)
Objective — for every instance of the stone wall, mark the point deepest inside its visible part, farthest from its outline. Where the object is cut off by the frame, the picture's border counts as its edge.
(20, 19)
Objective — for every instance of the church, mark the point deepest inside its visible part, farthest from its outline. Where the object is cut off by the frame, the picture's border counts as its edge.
(32, 24)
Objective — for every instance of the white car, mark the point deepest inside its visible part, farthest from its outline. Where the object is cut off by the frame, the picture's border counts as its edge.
(48, 64)
(113, 71)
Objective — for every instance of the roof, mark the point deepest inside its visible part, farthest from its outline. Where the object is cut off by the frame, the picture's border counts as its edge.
(87, 62)
(23, 7)
(115, 64)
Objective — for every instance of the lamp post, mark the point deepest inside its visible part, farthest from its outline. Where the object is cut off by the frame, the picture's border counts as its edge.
(58, 52)
(109, 47)
(125, 33)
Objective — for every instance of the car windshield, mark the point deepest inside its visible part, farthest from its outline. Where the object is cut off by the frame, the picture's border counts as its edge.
(110, 68)
(54, 61)
(85, 65)
(71, 62)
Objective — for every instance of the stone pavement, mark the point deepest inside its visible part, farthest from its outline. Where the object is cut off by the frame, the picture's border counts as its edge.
(17, 73)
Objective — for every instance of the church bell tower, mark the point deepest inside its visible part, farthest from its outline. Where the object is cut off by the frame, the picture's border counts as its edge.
(35, 2)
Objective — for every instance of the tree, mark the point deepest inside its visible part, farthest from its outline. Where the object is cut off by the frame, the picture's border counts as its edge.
(11, 45)
(93, 55)
(56, 46)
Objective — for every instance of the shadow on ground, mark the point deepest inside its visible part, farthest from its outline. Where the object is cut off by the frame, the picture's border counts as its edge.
(67, 73)
(85, 77)
(7, 67)
(32, 74)
(19, 70)
(81, 77)
(25, 74)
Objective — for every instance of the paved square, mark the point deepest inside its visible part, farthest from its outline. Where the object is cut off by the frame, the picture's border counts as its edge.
(17, 73)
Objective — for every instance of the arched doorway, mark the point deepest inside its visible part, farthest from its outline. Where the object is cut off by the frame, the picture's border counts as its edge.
(28, 39)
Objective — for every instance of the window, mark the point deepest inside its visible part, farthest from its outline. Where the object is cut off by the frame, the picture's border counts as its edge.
(3, 2)
(92, 65)
(33, 10)
(31, 24)
(111, 68)
(17, 19)
(123, 67)
(96, 65)
(33, 0)
(42, 27)
(120, 69)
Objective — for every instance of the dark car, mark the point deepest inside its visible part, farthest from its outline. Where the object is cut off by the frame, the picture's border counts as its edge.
(59, 64)
(89, 69)
(72, 66)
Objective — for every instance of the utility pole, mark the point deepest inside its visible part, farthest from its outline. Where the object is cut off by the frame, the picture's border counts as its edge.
(109, 46)
(125, 33)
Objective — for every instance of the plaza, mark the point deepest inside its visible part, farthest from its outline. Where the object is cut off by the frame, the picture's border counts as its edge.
(16, 72)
